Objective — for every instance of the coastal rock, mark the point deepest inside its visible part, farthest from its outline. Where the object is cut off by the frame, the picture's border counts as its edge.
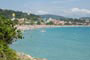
(22, 56)
(40, 59)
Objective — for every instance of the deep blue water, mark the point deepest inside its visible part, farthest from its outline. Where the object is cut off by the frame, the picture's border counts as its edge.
(65, 43)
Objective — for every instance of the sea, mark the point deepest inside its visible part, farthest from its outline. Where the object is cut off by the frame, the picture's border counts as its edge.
(59, 43)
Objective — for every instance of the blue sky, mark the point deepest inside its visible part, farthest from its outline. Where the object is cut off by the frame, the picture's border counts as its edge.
(68, 8)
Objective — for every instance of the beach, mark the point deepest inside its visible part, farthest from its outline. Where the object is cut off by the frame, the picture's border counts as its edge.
(30, 27)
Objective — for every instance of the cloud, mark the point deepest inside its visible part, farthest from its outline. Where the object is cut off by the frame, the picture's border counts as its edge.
(41, 12)
(62, 1)
(78, 10)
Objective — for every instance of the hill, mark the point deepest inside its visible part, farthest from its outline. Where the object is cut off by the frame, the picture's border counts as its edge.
(19, 14)
(85, 18)
(47, 16)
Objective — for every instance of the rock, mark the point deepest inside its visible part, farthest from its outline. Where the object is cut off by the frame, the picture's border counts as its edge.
(22, 56)
(40, 59)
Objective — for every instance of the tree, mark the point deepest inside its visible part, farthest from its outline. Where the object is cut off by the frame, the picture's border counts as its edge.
(8, 31)
(50, 23)
(8, 34)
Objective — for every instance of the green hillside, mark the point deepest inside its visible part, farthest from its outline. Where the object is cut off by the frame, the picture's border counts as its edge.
(47, 16)
(19, 14)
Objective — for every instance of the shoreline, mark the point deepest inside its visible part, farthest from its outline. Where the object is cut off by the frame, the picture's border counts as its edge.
(23, 56)
(30, 27)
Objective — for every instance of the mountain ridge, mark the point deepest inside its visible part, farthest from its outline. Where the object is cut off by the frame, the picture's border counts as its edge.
(57, 17)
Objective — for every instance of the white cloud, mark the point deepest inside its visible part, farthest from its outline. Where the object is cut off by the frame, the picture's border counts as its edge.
(78, 10)
(61, 1)
(41, 12)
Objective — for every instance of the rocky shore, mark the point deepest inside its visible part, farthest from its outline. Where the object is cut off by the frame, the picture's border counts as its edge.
(22, 56)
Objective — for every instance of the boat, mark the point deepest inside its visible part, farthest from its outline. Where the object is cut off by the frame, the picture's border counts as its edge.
(43, 31)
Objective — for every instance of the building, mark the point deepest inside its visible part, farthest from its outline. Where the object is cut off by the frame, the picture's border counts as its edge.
(21, 20)
(57, 22)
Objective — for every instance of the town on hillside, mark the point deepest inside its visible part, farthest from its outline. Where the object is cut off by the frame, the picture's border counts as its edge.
(24, 18)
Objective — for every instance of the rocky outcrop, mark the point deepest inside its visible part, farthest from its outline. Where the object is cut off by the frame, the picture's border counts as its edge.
(40, 59)
(22, 56)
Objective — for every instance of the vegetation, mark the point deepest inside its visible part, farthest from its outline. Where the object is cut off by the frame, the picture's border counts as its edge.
(68, 21)
(50, 23)
(47, 16)
(31, 19)
(8, 35)
(18, 14)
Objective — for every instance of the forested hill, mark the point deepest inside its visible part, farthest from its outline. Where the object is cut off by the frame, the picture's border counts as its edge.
(85, 18)
(19, 14)
(47, 16)
(57, 17)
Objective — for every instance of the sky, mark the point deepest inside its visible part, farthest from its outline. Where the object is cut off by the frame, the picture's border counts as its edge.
(67, 8)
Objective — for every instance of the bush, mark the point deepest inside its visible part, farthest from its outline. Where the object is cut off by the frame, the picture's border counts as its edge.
(8, 34)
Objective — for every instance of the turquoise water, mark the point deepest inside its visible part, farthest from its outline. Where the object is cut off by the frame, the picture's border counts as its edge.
(65, 43)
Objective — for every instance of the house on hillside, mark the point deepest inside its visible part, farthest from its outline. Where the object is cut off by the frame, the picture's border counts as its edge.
(57, 22)
(21, 20)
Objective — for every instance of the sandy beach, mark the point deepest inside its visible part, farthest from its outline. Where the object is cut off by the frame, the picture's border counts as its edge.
(30, 27)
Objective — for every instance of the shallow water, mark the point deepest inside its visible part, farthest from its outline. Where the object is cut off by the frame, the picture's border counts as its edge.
(65, 43)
